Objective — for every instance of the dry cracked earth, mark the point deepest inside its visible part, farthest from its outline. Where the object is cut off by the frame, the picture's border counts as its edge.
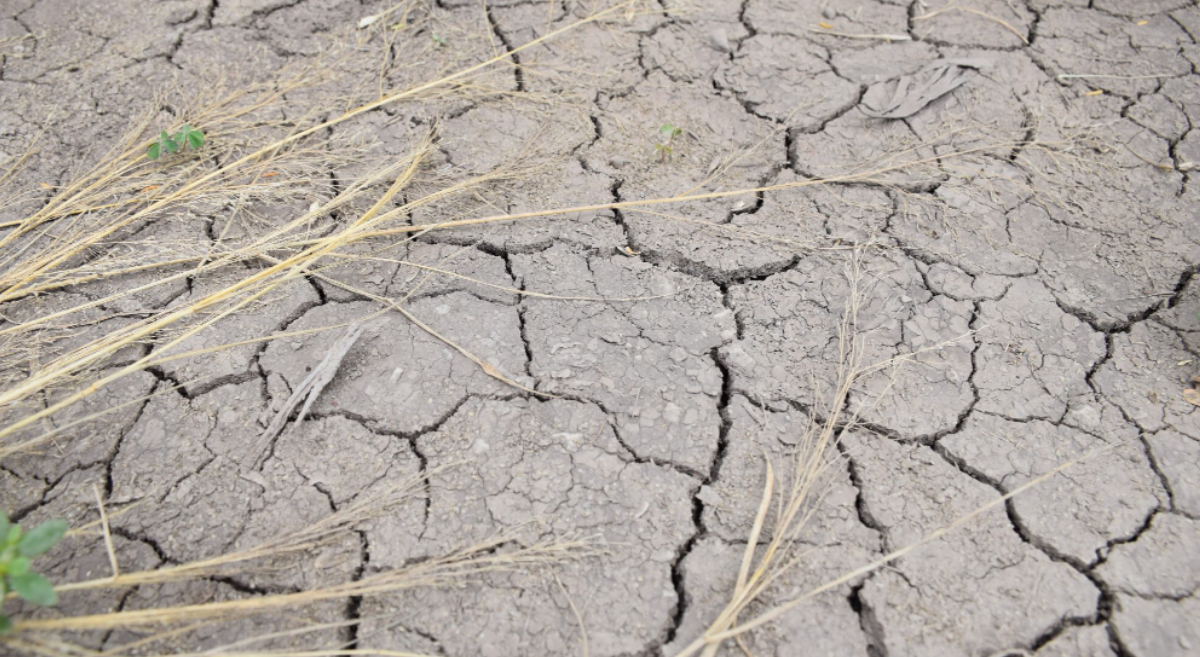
(1050, 300)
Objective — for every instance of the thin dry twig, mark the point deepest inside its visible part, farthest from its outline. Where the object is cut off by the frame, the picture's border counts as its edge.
(869, 37)
(108, 542)
(981, 14)
(583, 636)
(1105, 76)
(1157, 165)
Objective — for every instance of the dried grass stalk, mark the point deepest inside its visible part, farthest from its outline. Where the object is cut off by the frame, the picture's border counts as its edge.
(308, 390)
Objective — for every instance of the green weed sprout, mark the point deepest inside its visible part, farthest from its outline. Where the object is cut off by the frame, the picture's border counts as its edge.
(187, 137)
(667, 150)
(17, 550)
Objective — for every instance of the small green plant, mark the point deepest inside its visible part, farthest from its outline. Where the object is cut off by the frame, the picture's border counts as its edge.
(666, 150)
(438, 41)
(187, 137)
(17, 551)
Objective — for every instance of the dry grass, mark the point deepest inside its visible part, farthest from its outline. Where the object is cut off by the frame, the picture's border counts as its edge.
(305, 260)
(727, 626)
(440, 571)
(976, 12)
(84, 215)
(815, 459)
(74, 239)
(69, 242)
(502, 552)
(499, 554)
(795, 506)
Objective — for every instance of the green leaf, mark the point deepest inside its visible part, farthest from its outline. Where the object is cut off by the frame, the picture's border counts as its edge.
(34, 588)
(153, 151)
(4, 523)
(18, 566)
(171, 145)
(14, 533)
(667, 129)
(5, 624)
(42, 538)
(195, 139)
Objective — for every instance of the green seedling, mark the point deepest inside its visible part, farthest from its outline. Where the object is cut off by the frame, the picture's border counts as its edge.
(17, 551)
(439, 41)
(666, 150)
(187, 138)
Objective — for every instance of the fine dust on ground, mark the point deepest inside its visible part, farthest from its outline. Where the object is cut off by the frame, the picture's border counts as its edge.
(1044, 297)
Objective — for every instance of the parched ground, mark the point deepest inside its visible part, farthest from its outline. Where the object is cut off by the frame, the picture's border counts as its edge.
(1048, 294)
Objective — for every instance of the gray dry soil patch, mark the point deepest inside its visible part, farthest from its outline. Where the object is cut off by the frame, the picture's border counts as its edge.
(1046, 301)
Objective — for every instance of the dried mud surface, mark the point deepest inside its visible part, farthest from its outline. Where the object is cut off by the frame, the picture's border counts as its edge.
(1068, 302)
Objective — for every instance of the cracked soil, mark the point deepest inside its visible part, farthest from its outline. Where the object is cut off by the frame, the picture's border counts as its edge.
(1029, 245)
